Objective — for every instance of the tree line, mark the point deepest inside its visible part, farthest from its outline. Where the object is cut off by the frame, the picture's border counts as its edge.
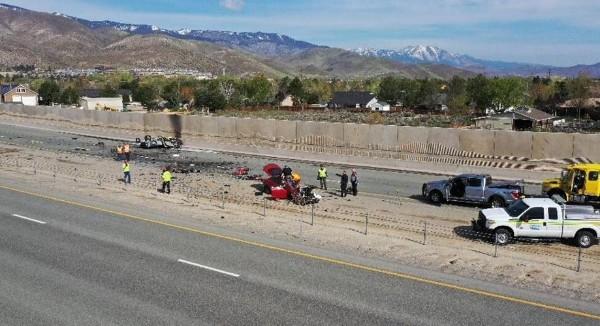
(461, 95)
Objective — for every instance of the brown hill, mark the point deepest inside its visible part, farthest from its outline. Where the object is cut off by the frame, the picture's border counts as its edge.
(55, 41)
(345, 64)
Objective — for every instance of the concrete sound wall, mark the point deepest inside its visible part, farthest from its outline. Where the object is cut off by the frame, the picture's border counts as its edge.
(510, 143)
(587, 146)
(477, 141)
(554, 145)
(320, 133)
(375, 137)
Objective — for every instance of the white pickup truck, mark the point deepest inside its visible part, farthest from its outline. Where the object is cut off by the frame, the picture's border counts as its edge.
(541, 218)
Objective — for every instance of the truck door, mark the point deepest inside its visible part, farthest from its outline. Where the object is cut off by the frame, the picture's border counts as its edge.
(531, 223)
(474, 189)
(553, 224)
(457, 188)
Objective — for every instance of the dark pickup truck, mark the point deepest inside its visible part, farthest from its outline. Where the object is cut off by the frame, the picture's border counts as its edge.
(473, 188)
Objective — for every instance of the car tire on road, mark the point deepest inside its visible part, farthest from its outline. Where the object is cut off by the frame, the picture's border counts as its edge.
(585, 239)
(436, 197)
(503, 236)
(497, 202)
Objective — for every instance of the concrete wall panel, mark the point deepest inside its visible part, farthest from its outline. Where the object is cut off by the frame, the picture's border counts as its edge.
(413, 139)
(446, 138)
(256, 128)
(382, 137)
(552, 145)
(227, 126)
(477, 141)
(587, 145)
(356, 135)
(285, 131)
(513, 143)
(320, 133)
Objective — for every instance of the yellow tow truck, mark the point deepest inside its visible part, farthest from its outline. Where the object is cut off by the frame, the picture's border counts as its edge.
(579, 183)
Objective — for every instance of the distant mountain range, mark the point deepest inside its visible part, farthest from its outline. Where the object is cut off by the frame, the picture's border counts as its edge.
(422, 54)
(56, 40)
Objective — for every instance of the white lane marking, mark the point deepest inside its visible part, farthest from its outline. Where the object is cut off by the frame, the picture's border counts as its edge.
(28, 219)
(207, 267)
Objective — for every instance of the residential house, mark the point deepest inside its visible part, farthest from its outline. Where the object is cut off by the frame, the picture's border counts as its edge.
(358, 100)
(522, 118)
(92, 99)
(12, 93)
(287, 102)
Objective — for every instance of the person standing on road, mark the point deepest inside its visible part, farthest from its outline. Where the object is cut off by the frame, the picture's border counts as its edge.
(126, 151)
(126, 172)
(343, 183)
(322, 176)
(354, 182)
(166, 178)
(119, 152)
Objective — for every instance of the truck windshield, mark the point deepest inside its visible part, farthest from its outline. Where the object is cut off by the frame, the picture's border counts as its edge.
(517, 208)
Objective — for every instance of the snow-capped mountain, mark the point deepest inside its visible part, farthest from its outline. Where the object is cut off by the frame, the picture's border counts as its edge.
(260, 43)
(424, 54)
(421, 54)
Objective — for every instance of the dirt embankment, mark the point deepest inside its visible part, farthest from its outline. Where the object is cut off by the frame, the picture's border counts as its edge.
(396, 227)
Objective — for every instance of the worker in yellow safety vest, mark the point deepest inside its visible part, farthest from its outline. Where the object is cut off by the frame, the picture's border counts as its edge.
(166, 178)
(322, 176)
(126, 172)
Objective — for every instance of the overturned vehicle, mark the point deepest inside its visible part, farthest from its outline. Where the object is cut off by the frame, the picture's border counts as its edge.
(159, 142)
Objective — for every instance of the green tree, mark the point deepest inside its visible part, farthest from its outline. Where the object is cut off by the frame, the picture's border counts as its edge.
(390, 90)
(296, 90)
(171, 94)
(109, 91)
(258, 90)
(480, 93)
(147, 95)
(457, 96)
(49, 92)
(579, 91)
(69, 96)
(507, 92)
(210, 96)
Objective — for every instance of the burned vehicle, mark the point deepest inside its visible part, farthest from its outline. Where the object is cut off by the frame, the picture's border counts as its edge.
(159, 142)
(475, 189)
(287, 188)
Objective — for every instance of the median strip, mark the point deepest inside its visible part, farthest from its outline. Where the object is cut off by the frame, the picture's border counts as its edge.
(28, 219)
(207, 268)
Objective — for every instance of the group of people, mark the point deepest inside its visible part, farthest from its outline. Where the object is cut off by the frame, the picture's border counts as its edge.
(344, 179)
(124, 152)
(166, 177)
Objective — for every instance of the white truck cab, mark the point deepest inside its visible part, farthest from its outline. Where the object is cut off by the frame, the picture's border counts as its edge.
(541, 218)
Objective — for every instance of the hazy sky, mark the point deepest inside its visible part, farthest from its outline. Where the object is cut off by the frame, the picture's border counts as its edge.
(558, 32)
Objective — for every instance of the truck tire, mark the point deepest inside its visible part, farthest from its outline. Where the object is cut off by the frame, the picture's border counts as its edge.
(436, 197)
(504, 236)
(555, 192)
(585, 239)
(497, 202)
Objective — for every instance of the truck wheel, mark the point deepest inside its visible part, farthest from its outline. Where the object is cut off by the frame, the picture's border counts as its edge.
(497, 202)
(436, 197)
(557, 193)
(584, 239)
(503, 236)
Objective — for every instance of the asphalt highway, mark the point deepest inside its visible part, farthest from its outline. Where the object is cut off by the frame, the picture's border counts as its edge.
(64, 264)
(403, 184)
